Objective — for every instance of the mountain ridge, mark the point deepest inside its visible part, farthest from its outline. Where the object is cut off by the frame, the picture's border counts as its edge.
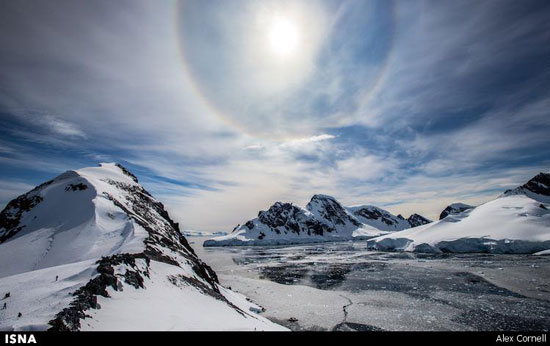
(107, 239)
(537, 188)
(323, 219)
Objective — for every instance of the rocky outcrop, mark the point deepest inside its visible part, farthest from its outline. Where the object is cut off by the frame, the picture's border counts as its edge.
(537, 188)
(455, 208)
(285, 217)
(379, 218)
(329, 211)
(416, 220)
(86, 296)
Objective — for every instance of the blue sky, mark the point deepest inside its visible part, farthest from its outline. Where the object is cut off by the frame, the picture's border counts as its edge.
(405, 105)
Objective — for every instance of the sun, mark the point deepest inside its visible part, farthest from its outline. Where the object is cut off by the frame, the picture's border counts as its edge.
(283, 37)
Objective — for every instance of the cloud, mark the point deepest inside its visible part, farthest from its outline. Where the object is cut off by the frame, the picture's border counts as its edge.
(264, 96)
(63, 127)
(312, 139)
(450, 59)
(361, 168)
(10, 189)
(410, 106)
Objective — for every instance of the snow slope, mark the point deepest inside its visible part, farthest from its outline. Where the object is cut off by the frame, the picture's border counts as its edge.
(323, 219)
(77, 251)
(39, 297)
(516, 222)
(193, 309)
(69, 224)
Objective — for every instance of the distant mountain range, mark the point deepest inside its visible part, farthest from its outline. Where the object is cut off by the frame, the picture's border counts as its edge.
(518, 221)
(323, 219)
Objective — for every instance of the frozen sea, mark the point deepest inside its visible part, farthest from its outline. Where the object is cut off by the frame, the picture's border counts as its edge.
(345, 286)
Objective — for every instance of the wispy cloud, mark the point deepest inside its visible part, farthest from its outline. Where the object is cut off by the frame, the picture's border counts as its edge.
(63, 127)
(409, 105)
(10, 189)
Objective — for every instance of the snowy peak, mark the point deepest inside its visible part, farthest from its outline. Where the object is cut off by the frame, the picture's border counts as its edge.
(453, 209)
(537, 188)
(416, 220)
(124, 171)
(323, 219)
(378, 218)
(89, 213)
(329, 211)
(540, 184)
(99, 229)
(286, 217)
(65, 201)
(280, 215)
(15, 220)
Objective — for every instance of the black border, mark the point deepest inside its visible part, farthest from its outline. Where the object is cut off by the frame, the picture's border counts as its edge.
(337, 338)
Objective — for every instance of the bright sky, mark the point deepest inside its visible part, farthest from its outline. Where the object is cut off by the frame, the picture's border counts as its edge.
(224, 107)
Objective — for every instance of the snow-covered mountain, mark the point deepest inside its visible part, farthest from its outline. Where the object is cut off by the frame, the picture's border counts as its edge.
(93, 250)
(453, 209)
(416, 220)
(328, 211)
(323, 219)
(538, 188)
(379, 218)
(384, 220)
(516, 222)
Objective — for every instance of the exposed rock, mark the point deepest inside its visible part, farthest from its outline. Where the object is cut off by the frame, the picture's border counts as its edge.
(328, 209)
(285, 216)
(76, 187)
(86, 297)
(416, 220)
(127, 172)
(455, 208)
(537, 188)
(379, 218)
(10, 217)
